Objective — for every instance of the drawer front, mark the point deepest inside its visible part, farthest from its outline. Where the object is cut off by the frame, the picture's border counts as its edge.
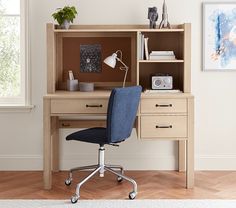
(163, 126)
(163, 106)
(83, 106)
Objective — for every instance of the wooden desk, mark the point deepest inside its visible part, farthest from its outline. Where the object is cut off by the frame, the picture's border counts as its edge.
(161, 116)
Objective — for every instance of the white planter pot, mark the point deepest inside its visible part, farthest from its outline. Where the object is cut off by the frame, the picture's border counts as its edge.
(65, 25)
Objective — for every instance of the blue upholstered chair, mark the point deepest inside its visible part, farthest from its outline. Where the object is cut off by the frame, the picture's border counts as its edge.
(121, 114)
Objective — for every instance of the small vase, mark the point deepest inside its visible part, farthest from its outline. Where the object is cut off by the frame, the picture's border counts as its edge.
(65, 25)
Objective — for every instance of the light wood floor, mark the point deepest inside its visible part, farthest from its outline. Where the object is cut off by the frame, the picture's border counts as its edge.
(151, 185)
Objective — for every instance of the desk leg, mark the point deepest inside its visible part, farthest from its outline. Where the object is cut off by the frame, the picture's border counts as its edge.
(55, 144)
(190, 164)
(47, 145)
(190, 146)
(182, 155)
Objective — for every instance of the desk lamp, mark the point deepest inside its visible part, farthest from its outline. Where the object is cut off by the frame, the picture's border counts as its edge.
(111, 61)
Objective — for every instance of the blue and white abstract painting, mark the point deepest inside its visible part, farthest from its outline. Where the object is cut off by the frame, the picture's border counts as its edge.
(219, 36)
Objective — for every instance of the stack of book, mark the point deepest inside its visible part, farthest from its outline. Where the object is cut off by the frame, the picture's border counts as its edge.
(162, 55)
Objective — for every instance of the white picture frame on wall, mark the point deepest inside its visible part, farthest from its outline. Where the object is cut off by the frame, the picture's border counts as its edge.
(219, 36)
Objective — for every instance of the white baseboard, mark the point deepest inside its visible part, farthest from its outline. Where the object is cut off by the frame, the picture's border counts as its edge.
(215, 162)
(21, 162)
(129, 161)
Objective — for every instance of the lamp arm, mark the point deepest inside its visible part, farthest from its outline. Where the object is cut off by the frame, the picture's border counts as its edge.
(125, 68)
(121, 54)
(126, 72)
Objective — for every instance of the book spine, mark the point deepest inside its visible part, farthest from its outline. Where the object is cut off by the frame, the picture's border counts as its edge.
(142, 47)
(146, 48)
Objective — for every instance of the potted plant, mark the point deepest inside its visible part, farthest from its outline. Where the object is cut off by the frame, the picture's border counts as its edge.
(65, 16)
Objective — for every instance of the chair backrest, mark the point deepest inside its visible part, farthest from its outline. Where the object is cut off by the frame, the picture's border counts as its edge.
(121, 113)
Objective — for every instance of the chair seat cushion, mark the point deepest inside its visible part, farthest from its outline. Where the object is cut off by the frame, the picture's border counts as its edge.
(96, 135)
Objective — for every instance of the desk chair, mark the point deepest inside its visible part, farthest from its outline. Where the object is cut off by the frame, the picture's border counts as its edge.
(121, 114)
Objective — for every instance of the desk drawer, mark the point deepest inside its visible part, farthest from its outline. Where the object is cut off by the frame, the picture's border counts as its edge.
(163, 106)
(83, 106)
(163, 126)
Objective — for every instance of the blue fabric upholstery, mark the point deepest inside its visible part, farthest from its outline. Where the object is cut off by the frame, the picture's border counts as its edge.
(122, 110)
(92, 135)
(121, 114)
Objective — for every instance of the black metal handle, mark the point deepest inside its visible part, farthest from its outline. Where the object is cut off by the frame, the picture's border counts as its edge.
(164, 127)
(93, 106)
(65, 124)
(163, 105)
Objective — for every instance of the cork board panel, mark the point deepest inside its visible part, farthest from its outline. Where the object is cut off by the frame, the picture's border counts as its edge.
(71, 58)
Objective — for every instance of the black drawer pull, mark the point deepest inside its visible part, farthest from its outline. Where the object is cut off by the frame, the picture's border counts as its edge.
(163, 105)
(164, 127)
(65, 125)
(93, 106)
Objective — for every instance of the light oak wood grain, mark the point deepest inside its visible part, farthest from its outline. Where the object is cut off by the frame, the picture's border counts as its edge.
(82, 106)
(160, 126)
(163, 106)
(151, 185)
(60, 103)
(47, 145)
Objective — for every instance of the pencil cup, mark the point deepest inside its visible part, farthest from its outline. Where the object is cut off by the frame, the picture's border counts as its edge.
(72, 85)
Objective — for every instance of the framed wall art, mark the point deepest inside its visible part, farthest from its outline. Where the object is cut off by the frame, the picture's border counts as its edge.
(219, 36)
(90, 58)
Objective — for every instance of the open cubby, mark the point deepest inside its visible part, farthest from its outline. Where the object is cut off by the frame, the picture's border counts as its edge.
(166, 41)
(174, 70)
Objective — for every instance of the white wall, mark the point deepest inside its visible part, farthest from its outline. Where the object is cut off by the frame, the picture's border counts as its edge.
(215, 98)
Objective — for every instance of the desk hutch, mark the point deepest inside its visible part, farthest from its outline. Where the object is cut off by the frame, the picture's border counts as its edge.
(167, 116)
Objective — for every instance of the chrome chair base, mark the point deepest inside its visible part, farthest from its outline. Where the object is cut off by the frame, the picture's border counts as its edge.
(101, 167)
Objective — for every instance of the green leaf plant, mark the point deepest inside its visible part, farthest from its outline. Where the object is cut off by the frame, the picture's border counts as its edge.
(66, 13)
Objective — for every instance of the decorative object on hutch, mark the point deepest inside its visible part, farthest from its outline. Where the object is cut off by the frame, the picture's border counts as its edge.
(166, 116)
(162, 82)
(164, 22)
(64, 16)
(219, 36)
(111, 61)
(72, 83)
(153, 17)
(86, 87)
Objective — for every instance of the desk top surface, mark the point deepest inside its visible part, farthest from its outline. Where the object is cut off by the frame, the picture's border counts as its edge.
(106, 93)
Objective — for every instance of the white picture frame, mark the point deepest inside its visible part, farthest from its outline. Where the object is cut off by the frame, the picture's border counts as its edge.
(219, 36)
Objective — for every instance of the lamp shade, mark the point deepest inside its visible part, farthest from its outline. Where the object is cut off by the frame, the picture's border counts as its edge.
(111, 60)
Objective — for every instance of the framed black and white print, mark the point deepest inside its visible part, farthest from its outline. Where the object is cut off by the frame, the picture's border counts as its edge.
(219, 36)
(90, 58)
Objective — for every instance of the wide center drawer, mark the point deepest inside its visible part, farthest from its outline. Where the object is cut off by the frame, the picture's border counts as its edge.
(163, 126)
(83, 106)
(163, 106)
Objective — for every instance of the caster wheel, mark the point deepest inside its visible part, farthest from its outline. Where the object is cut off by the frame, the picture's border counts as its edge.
(119, 179)
(74, 199)
(132, 195)
(68, 181)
